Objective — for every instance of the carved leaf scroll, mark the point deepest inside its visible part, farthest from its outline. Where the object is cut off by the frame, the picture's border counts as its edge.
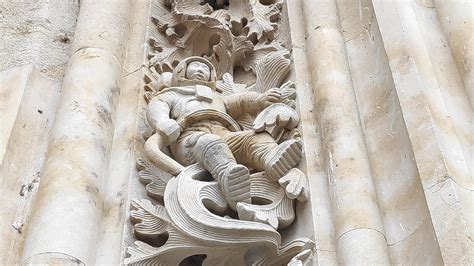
(278, 213)
(261, 19)
(271, 70)
(295, 184)
(154, 178)
(150, 220)
(229, 51)
(226, 37)
(201, 231)
(263, 22)
(227, 86)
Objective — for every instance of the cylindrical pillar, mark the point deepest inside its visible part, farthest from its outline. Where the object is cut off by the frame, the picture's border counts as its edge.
(358, 223)
(457, 19)
(65, 224)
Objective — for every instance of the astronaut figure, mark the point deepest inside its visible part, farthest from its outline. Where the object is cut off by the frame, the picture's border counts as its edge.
(209, 138)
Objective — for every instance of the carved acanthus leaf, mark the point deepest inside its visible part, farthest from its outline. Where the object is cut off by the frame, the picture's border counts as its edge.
(295, 184)
(229, 51)
(271, 70)
(191, 9)
(263, 22)
(150, 220)
(154, 178)
(224, 241)
(174, 30)
(192, 29)
(278, 213)
(197, 33)
(188, 29)
(227, 86)
(261, 19)
(275, 118)
(249, 63)
(139, 253)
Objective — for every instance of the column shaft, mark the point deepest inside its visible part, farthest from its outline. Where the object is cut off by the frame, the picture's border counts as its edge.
(432, 128)
(457, 19)
(65, 224)
(359, 229)
(318, 211)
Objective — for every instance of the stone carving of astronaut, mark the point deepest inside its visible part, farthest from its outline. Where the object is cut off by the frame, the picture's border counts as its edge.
(199, 125)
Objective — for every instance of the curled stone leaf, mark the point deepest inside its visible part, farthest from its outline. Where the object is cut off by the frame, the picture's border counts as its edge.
(295, 184)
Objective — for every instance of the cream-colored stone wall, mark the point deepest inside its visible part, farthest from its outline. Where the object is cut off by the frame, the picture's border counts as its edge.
(37, 33)
(385, 97)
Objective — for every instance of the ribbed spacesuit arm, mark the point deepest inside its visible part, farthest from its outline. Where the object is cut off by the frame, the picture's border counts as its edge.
(158, 110)
(243, 103)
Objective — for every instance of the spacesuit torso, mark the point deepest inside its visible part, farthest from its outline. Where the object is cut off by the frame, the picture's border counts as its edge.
(186, 100)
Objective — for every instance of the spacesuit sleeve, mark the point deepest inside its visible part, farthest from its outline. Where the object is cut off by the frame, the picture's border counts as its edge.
(158, 110)
(243, 103)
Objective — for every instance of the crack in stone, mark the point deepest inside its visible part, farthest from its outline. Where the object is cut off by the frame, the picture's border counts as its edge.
(354, 229)
(410, 235)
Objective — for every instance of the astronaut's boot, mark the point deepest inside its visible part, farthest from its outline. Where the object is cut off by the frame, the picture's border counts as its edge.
(235, 183)
(233, 178)
(280, 159)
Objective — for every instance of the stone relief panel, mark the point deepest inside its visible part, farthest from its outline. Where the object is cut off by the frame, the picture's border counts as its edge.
(221, 164)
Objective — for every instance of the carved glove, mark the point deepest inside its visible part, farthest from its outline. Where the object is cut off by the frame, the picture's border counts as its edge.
(269, 97)
(278, 114)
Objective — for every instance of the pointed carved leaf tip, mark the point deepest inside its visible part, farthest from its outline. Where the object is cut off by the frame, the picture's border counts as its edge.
(263, 22)
(295, 184)
(154, 178)
(278, 212)
(139, 252)
(229, 52)
(278, 114)
(150, 220)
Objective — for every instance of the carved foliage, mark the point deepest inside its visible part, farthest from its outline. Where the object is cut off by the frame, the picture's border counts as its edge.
(277, 210)
(227, 37)
(190, 217)
(223, 240)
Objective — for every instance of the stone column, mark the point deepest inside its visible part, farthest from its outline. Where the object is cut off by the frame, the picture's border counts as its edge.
(358, 223)
(457, 19)
(65, 224)
(442, 166)
(318, 211)
(122, 174)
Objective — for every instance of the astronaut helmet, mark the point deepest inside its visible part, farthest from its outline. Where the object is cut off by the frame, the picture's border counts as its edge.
(198, 75)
